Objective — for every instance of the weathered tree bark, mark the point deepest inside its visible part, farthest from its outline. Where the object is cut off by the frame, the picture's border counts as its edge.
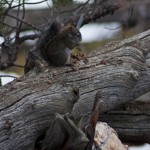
(28, 104)
(131, 121)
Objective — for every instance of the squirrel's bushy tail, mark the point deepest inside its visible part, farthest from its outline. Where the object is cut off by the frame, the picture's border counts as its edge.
(49, 33)
(38, 53)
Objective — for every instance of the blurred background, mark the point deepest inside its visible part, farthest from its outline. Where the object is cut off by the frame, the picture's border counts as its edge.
(132, 18)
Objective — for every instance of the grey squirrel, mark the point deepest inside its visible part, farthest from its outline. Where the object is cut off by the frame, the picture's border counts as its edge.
(55, 45)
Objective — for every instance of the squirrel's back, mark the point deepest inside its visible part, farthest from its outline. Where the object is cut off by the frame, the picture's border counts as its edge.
(50, 31)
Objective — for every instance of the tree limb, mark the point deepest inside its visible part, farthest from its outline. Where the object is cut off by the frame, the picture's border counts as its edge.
(28, 104)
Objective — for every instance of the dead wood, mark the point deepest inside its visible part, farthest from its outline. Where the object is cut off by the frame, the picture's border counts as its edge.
(28, 104)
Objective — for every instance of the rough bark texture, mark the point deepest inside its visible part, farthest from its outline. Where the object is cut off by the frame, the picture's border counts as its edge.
(131, 122)
(28, 104)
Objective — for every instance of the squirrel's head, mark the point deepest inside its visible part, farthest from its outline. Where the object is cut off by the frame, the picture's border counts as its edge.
(74, 37)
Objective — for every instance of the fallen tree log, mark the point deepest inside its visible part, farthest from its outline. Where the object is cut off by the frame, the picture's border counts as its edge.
(132, 120)
(28, 104)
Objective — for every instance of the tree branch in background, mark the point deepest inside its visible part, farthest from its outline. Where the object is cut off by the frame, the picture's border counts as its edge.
(8, 76)
(23, 21)
(90, 12)
(94, 11)
(11, 45)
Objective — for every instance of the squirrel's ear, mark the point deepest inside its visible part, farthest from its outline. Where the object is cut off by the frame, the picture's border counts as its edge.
(70, 29)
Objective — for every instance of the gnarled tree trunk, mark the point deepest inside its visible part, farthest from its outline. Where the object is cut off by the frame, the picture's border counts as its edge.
(118, 71)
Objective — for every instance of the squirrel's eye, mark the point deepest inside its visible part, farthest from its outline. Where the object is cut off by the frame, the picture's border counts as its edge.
(78, 35)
